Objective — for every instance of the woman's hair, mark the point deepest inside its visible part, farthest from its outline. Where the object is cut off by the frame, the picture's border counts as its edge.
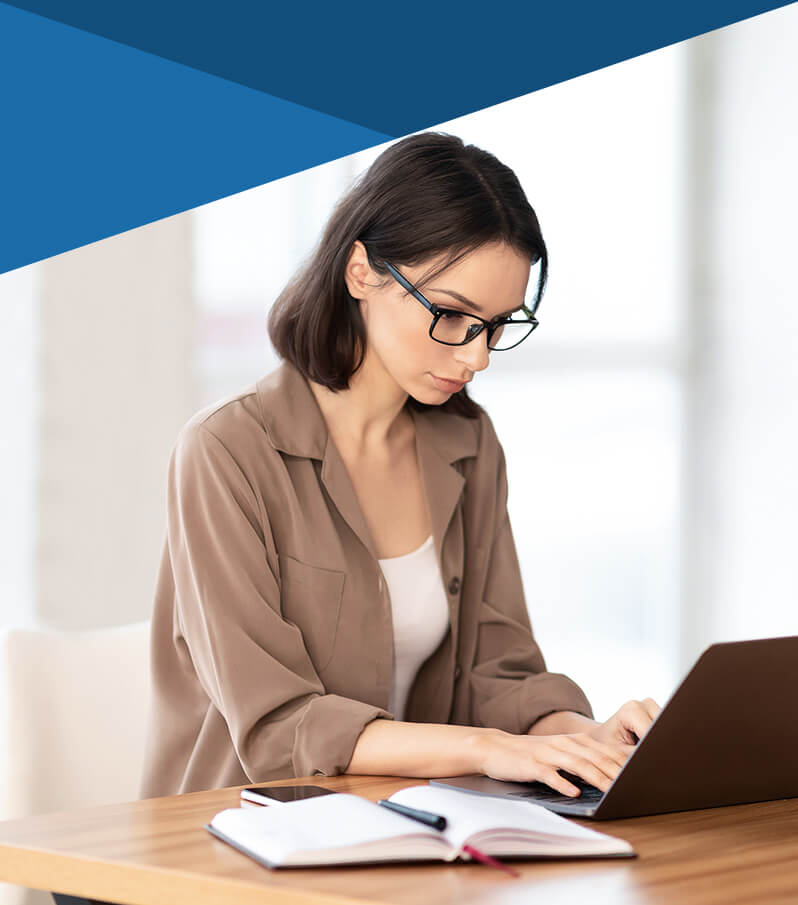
(424, 196)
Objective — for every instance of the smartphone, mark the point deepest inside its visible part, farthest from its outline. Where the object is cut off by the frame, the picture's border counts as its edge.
(281, 794)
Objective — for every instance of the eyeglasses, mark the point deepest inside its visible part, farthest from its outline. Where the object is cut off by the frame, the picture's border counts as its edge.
(456, 328)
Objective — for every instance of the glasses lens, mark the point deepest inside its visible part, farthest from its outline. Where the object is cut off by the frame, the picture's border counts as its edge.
(509, 335)
(455, 328)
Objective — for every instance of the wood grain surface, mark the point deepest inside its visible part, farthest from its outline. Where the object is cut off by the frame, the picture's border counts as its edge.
(156, 852)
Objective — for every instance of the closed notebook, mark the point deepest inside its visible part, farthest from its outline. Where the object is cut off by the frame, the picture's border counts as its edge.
(347, 829)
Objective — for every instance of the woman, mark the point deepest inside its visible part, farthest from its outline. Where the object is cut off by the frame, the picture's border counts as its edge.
(340, 590)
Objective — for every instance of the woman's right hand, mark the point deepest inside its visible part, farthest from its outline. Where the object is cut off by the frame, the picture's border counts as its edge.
(528, 758)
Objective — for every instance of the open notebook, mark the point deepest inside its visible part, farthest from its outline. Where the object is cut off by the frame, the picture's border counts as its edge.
(347, 829)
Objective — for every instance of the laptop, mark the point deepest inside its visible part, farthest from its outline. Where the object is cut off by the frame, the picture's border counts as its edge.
(727, 735)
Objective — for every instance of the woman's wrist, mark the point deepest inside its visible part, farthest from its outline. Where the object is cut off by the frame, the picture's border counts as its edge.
(562, 722)
(475, 747)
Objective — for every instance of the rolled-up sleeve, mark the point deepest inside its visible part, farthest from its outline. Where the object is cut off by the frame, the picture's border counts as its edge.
(510, 686)
(251, 662)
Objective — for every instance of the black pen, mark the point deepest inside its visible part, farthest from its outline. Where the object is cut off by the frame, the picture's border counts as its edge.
(426, 817)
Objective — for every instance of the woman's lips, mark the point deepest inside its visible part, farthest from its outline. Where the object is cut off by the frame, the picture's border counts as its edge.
(448, 386)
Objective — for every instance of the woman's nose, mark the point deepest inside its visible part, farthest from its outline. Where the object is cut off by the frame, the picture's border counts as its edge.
(475, 355)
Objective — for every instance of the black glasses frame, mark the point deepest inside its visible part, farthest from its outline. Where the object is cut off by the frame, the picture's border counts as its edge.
(491, 326)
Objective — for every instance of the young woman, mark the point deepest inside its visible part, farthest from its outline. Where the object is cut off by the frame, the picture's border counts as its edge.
(340, 590)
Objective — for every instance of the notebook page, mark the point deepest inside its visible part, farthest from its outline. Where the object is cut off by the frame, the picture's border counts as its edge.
(325, 823)
(469, 814)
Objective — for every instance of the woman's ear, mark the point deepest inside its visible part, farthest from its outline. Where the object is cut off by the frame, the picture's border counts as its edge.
(358, 274)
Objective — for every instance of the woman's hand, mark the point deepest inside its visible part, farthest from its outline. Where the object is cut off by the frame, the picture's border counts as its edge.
(525, 758)
(628, 725)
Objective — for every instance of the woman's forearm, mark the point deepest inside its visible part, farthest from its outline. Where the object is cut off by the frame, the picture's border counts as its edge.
(395, 748)
(428, 750)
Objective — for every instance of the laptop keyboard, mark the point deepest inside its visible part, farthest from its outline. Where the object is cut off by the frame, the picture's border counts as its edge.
(589, 794)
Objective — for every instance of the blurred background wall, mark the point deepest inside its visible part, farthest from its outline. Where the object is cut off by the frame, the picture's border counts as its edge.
(649, 424)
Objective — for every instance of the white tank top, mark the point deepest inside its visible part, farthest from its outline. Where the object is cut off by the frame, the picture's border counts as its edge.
(420, 616)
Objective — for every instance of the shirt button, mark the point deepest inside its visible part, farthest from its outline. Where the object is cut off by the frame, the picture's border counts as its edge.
(457, 672)
(454, 585)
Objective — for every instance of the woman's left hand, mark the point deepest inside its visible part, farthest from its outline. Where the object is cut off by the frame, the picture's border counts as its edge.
(628, 725)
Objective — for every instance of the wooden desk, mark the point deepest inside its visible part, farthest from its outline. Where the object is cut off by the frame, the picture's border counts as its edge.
(156, 852)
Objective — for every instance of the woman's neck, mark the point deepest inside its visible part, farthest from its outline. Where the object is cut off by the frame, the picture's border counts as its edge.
(369, 418)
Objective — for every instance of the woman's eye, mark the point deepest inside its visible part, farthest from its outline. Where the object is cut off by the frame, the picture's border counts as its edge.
(451, 315)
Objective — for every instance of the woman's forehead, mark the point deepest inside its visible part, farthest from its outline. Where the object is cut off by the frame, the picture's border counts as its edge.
(479, 275)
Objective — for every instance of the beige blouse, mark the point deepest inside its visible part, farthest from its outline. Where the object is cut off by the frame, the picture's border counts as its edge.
(271, 632)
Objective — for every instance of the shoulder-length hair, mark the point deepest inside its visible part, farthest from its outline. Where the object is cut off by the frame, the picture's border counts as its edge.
(426, 195)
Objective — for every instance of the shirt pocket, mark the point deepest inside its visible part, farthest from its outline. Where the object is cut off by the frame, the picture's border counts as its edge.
(310, 598)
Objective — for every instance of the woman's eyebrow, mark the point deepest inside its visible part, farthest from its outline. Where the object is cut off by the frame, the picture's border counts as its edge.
(465, 301)
(460, 298)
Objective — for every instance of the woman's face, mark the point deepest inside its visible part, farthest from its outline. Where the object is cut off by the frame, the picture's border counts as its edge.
(490, 281)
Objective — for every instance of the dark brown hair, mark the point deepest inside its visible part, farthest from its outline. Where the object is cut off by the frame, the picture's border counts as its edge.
(424, 196)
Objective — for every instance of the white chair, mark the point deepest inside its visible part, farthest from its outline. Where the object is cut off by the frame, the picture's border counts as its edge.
(73, 712)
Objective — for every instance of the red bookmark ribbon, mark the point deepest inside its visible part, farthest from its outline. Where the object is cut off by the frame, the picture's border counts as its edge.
(477, 855)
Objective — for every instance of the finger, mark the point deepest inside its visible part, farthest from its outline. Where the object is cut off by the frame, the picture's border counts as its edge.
(619, 753)
(634, 718)
(620, 725)
(652, 707)
(608, 765)
(559, 783)
(553, 758)
(589, 771)
(587, 764)
(616, 751)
